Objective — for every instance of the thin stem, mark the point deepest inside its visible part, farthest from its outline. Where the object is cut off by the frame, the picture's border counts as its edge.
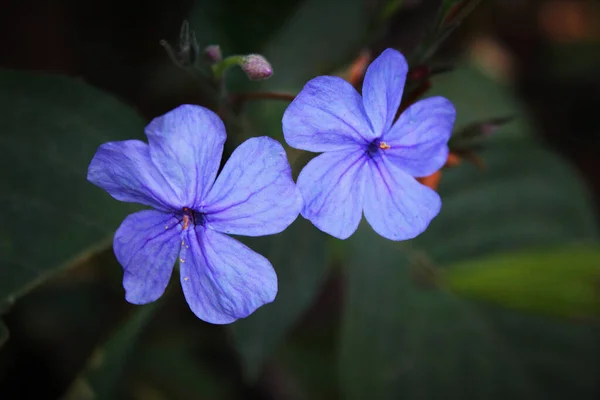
(223, 65)
(243, 97)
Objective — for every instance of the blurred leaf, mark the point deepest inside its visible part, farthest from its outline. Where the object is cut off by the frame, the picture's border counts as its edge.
(306, 363)
(3, 333)
(104, 371)
(390, 8)
(477, 133)
(527, 197)
(51, 215)
(315, 40)
(400, 340)
(172, 367)
(450, 15)
(562, 281)
(244, 31)
(476, 97)
(404, 338)
(454, 11)
(300, 259)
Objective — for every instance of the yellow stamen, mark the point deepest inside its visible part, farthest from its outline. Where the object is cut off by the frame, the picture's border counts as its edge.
(384, 146)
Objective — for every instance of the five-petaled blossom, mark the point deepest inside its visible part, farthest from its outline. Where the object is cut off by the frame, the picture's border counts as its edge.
(174, 173)
(369, 163)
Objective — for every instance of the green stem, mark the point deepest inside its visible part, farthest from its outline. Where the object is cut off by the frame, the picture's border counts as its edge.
(219, 68)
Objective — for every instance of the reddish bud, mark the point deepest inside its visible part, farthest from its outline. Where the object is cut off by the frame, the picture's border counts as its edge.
(256, 67)
(213, 52)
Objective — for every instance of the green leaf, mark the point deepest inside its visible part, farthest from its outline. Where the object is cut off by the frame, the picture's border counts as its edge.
(104, 371)
(401, 341)
(405, 340)
(300, 259)
(51, 215)
(563, 281)
(525, 198)
(404, 337)
(173, 368)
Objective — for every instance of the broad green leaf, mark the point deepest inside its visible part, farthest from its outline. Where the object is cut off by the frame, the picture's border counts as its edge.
(526, 197)
(402, 341)
(405, 340)
(403, 337)
(51, 215)
(104, 372)
(563, 281)
(300, 259)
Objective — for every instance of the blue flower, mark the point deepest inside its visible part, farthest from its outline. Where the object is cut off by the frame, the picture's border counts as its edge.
(254, 195)
(369, 162)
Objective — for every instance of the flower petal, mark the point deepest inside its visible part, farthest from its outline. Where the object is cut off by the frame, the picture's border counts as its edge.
(255, 194)
(419, 139)
(186, 144)
(327, 115)
(146, 245)
(382, 89)
(332, 186)
(222, 279)
(396, 205)
(126, 172)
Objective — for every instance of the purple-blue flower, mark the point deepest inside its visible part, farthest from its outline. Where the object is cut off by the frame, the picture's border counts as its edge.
(174, 173)
(369, 163)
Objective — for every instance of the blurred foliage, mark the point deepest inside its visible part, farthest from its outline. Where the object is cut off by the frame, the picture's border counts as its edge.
(105, 368)
(423, 342)
(563, 282)
(51, 215)
(439, 316)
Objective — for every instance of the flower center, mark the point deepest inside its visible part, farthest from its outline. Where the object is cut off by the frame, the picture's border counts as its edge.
(192, 217)
(377, 145)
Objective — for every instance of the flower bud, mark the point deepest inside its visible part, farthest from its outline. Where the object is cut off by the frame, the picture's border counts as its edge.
(256, 67)
(213, 53)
